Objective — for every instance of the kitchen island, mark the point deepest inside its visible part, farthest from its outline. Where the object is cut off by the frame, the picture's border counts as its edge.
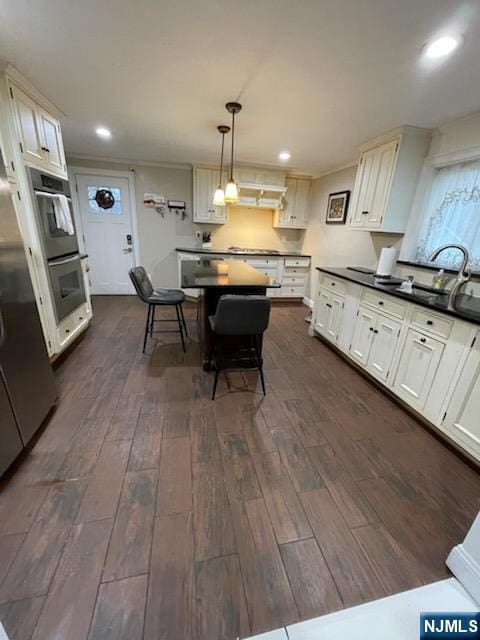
(216, 278)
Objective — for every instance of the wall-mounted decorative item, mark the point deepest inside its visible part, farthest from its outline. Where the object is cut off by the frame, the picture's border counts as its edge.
(337, 207)
(206, 240)
(178, 207)
(104, 198)
(155, 201)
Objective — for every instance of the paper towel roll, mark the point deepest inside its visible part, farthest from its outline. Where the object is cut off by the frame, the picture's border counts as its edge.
(387, 261)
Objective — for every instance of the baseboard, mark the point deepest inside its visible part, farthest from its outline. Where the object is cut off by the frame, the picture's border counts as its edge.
(308, 302)
(466, 569)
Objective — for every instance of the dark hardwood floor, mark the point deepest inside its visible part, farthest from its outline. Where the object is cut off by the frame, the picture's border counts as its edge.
(147, 511)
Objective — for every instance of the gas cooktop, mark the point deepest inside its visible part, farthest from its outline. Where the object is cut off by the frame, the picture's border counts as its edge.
(249, 250)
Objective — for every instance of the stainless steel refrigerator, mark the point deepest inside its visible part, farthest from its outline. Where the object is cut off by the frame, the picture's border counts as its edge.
(27, 385)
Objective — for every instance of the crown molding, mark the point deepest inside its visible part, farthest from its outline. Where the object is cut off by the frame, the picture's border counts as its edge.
(340, 167)
(139, 163)
(13, 75)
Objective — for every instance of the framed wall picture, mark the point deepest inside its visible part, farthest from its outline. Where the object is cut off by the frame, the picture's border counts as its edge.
(337, 207)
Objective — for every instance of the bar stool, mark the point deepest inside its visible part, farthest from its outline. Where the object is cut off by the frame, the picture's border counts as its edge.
(242, 316)
(156, 298)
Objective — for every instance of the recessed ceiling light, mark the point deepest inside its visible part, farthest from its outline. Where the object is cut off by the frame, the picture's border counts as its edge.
(284, 155)
(103, 132)
(441, 47)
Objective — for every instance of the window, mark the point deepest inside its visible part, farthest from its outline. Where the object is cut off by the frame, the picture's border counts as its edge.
(93, 206)
(452, 215)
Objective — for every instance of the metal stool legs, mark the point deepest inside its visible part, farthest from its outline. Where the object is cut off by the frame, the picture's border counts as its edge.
(150, 324)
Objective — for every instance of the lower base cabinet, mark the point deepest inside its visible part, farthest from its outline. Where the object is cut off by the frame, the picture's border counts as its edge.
(374, 342)
(462, 420)
(328, 313)
(417, 368)
(427, 359)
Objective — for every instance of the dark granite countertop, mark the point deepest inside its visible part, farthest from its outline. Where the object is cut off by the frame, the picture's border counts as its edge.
(464, 306)
(205, 273)
(226, 252)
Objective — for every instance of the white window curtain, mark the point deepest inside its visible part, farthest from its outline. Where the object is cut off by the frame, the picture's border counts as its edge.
(452, 215)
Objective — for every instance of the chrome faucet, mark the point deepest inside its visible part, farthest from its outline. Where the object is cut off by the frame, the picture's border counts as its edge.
(463, 275)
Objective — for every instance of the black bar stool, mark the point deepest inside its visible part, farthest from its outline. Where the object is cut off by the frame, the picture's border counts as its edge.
(155, 298)
(242, 316)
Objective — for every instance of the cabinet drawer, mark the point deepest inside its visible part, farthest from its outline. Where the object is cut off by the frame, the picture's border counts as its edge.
(335, 284)
(397, 309)
(292, 291)
(297, 262)
(295, 271)
(437, 325)
(66, 329)
(262, 262)
(294, 280)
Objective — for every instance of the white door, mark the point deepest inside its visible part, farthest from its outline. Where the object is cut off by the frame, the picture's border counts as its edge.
(52, 139)
(417, 368)
(289, 202)
(302, 203)
(386, 156)
(108, 233)
(29, 127)
(385, 338)
(335, 317)
(463, 413)
(363, 192)
(362, 335)
(322, 310)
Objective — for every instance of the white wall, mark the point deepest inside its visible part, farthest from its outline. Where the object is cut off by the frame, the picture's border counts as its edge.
(335, 245)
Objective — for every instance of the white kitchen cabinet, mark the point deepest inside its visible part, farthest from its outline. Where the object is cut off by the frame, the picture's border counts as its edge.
(374, 341)
(328, 313)
(417, 368)
(462, 419)
(386, 180)
(372, 186)
(28, 126)
(205, 182)
(383, 347)
(39, 134)
(362, 335)
(52, 138)
(296, 205)
(322, 310)
(270, 267)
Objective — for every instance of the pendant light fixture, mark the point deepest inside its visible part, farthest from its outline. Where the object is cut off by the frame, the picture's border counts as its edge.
(219, 197)
(231, 189)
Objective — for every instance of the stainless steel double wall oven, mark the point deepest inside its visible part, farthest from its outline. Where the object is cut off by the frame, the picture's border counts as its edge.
(53, 205)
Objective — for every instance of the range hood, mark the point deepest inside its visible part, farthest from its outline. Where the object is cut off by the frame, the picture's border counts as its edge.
(261, 196)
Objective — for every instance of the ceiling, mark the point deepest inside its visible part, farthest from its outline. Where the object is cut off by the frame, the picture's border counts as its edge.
(316, 77)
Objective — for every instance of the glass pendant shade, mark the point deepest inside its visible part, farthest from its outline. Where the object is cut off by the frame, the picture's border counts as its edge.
(231, 192)
(219, 198)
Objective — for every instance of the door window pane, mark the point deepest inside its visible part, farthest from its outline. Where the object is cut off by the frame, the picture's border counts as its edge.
(93, 207)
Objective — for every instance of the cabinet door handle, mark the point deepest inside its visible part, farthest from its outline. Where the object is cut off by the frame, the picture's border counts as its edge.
(423, 339)
(371, 329)
(364, 213)
(328, 305)
(333, 284)
(375, 331)
(46, 149)
(381, 303)
(430, 322)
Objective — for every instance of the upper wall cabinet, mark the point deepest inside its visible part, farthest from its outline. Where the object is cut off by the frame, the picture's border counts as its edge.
(296, 205)
(386, 181)
(205, 181)
(39, 134)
